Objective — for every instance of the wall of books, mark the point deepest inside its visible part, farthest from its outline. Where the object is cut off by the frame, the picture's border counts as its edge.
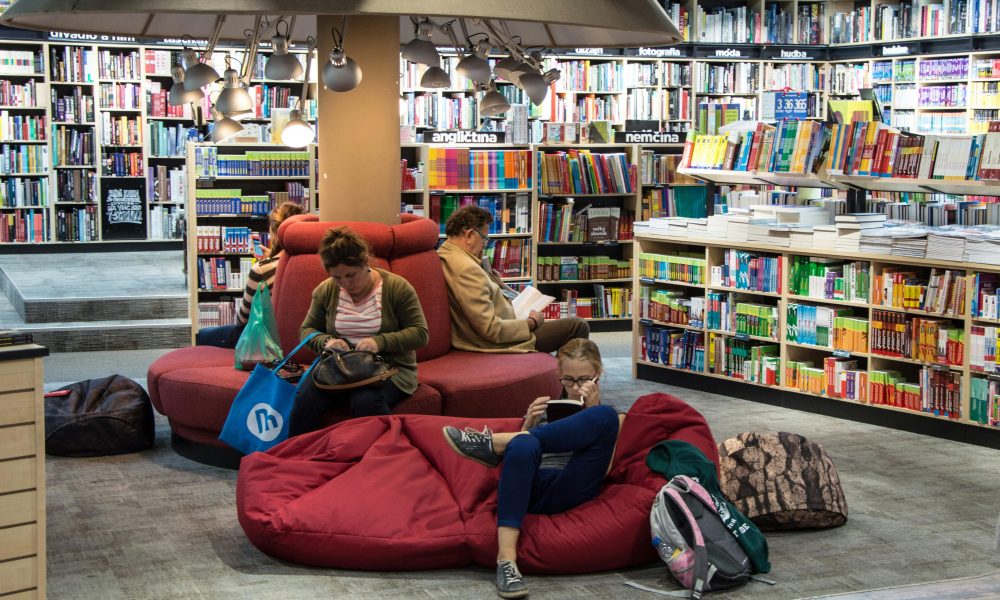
(90, 150)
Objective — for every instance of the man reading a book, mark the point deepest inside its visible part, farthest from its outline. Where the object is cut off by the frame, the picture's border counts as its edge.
(482, 318)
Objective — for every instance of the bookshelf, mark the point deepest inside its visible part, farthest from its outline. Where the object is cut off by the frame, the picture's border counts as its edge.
(586, 199)
(233, 187)
(103, 150)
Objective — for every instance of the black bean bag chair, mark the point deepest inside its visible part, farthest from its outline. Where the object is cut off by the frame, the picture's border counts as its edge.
(98, 417)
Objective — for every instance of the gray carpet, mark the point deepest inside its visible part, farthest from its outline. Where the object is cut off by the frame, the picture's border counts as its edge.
(156, 526)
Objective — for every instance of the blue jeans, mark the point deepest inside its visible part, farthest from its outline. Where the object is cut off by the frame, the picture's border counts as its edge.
(311, 403)
(224, 336)
(525, 488)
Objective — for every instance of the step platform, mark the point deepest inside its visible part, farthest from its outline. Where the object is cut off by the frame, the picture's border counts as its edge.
(97, 300)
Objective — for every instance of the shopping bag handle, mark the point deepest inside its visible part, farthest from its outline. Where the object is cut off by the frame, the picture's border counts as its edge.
(294, 350)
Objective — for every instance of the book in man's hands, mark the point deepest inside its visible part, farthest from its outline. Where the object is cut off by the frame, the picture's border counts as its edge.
(562, 408)
(528, 300)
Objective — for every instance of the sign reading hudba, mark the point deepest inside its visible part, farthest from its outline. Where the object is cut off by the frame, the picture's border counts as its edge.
(464, 136)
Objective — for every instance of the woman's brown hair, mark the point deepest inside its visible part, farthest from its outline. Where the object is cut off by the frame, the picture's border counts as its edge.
(581, 349)
(343, 246)
(276, 217)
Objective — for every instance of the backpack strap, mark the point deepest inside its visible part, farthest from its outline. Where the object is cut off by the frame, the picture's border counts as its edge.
(672, 594)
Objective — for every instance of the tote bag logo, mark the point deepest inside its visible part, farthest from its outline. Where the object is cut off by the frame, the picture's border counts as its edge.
(264, 422)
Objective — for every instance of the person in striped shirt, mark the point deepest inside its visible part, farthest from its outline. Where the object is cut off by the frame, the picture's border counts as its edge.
(363, 308)
(261, 273)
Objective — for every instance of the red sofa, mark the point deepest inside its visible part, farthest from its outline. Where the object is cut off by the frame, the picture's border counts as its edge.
(194, 387)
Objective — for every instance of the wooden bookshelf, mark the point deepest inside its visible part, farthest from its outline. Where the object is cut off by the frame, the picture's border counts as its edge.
(204, 262)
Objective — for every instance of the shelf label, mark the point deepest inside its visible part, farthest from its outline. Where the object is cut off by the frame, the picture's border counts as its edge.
(803, 53)
(647, 137)
(464, 136)
(646, 321)
(896, 50)
(672, 52)
(93, 37)
(743, 337)
(647, 280)
(841, 353)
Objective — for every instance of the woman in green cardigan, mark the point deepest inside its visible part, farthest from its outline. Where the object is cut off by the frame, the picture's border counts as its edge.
(363, 308)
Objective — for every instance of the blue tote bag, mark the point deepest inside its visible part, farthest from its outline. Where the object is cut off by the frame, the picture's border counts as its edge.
(258, 418)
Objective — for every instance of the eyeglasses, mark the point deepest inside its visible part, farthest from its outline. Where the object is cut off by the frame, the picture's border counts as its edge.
(486, 238)
(571, 381)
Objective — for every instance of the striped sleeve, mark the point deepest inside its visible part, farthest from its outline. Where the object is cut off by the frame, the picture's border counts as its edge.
(262, 272)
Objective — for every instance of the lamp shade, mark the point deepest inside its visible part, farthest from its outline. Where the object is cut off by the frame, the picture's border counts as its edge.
(223, 127)
(475, 68)
(421, 51)
(197, 74)
(341, 73)
(537, 86)
(520, 71)
(178, 95)
(493, 103)
(281, 65)
(436, 78)
(234, 98)
(297, 133)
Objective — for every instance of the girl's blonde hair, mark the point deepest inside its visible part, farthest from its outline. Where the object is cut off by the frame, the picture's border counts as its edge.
(581, 349)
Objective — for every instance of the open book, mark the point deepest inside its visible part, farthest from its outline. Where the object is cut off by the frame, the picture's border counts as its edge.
(528, 300)
(561, 408)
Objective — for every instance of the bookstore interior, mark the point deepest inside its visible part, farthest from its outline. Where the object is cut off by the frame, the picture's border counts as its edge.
(798, 195)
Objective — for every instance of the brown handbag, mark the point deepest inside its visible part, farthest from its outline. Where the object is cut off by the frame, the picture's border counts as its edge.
(349, 369)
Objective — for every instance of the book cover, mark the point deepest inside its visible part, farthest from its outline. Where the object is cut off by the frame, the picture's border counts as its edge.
(562, 408)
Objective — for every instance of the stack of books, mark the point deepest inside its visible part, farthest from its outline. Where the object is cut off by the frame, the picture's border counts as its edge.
(12, 337)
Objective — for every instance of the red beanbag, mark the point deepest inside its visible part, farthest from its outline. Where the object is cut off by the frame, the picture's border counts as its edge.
(388, 493)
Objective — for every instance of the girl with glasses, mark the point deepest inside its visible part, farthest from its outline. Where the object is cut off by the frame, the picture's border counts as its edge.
(548, 467)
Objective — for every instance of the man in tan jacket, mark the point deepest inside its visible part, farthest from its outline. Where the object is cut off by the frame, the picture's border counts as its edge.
(482, 318)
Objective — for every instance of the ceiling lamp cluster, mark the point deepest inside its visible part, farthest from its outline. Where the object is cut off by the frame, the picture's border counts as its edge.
(520, 67)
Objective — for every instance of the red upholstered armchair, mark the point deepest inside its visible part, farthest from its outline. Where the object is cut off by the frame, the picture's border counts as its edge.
(194, 387)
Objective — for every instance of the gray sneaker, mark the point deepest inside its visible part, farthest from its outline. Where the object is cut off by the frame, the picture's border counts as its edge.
(509, 581)
(472, 444)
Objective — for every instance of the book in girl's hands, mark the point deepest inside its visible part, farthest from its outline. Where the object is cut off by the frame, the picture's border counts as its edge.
(562, 408)
(528, 300)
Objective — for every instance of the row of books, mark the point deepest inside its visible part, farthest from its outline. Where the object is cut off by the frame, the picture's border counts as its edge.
(216, 314)
(681, 349)
(465, 169)
(917, 338)
(671, 306)
(984, 353)
(876, 149)
(167, 184)
(24, 226)
(210, 163)
(727, 78)
(567, 268)
(652, 104)
(942, 292)
(744, 359)
(119, 64)
(22, 94)
(76, 185)
(657, 74)
(223, 240)
(984, 401)
(411, 178)
(15, 127)
(747, 271)
(127, 96)
(510, 257)
(445, 111)
(826, 327)
(170, 140)
(587, 76)
(20, 192)
(686, 201)
(558, 223)
(72, 146)
(579, 171)
(21, 62)
(901, 21)
(77, 224)
(158, 103)
(791, 147)
(937, 392)
(16, 158)
(760, 320)
(683, 268)
(166, 222)
(77, 106)
(510, 213)
(124, 163)
(836, 377)
(121, 130)
(220, 201)
(829, 278)
(72, 64)
(219, 273)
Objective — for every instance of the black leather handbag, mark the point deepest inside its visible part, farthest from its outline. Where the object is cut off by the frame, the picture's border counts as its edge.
(348, 369)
